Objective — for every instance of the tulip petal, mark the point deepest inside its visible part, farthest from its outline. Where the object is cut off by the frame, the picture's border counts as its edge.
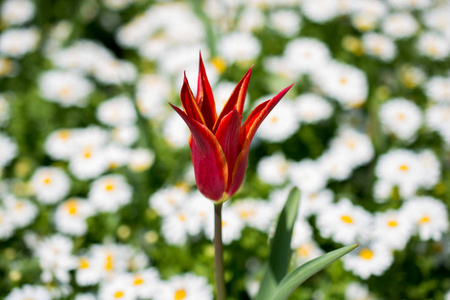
(205, 98)
(246, 135)
(210, 164)
(236, 100)
(228, 136)
(189, 103)
(257, 116)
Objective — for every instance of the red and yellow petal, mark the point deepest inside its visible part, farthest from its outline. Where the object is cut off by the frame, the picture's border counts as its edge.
(205, 98)
(236, 100)
(208, 158)
(189, 103)
(228, 136)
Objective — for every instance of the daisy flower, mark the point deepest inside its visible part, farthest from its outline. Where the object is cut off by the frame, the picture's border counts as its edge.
(273, 169)
(392, 228)
(50, 184)
(429, 215)
(117, 111)
(307, 175)
(140, 159)
(344, 223)
(118, 288)
(232, 226)
(255, 213)
(400, 25)
(110, 192)
(22, 212)
(239, 47)
(433, 45)
(167, 201)
(312, 108)
(306, 252)
(17, 12)
(17, 42)
(8, 150)
(61, 143)
(401, 117)
(29, 292)
(185, 287)
(70, 216)
(379, 46)
(367, 260)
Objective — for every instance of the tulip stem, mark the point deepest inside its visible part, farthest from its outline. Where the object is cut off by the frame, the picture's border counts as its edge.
(218, 253)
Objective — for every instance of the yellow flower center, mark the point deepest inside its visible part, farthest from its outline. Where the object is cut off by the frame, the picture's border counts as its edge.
(392, 223)
(366, 253)
(109, 262)
(64, 134)
(182, 217)
(138, 280)
(219, 63)
(425, 219)
(47, 180)
(72, 207)
(343, 80)
(403, 168)
(87, 153)
(109, 187)
(119, 294)
(302, 251)
(180, 294)
(84, 263)
(347, 219)
(401, 116)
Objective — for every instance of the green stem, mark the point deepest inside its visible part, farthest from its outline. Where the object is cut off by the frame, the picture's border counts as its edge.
(218, 253)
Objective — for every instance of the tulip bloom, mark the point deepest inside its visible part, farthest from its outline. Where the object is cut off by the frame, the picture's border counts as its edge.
(220, 144)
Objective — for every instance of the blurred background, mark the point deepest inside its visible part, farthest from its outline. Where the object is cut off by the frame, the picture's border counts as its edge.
(97, 193)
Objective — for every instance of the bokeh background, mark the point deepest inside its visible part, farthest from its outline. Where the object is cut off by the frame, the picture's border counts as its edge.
(97, 194)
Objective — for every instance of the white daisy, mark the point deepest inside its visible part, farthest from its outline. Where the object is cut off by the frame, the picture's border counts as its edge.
(21, 211)
(306, 55)
(140, 159)
(125, 135)
(65, 88)
(117, 111)
(115, 71)
(368, 260)
(392, 228)
(344, 222)
(345, 83)
(145, 283)
(151, 94)
(50, 184)
(16, 12)
(400, 25)
(55, 258)
(306, 252)
(185, 287)
(379, 46)
(110, 192)
(239, 47)
(438, 89)
(401, 117)
(117, 288)
(29, 292)
(312, 108)
(307, 175)
(167, 201)
(8, 150)
(87, 272)
(431, 168)
(357, 291)
(255, 213)
(70, 216)
(313, 203)
(16, 42)
(60, 144)
(320, 11)
(429, 215)
(273, 169)
(433, 45)
(116, 155)
(286, 22)
(302, 233)
(402, 168)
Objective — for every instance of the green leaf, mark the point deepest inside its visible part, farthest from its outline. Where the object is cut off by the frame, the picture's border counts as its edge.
(280, 253)
(302, 273)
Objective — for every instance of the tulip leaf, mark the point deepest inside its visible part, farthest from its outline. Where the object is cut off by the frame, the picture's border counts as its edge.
(280, 252)
(288, 285)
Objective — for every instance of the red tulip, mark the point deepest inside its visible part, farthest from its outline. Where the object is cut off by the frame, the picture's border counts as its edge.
(220, 144)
